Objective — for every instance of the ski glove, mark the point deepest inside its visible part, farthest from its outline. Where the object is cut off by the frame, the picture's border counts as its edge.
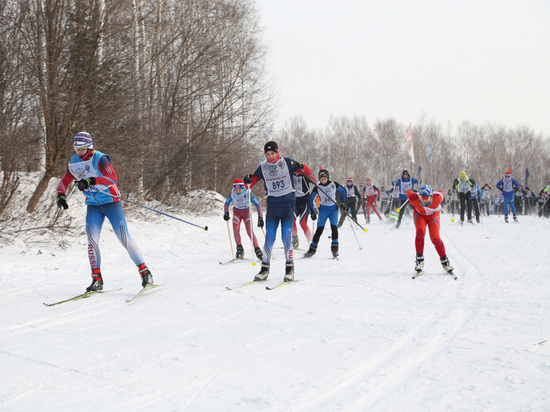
(260, 222)
(300, 165)
(226, 216)
(85, 183)
(247, 179)
(62, 202)
(344, 205)
(313, 216)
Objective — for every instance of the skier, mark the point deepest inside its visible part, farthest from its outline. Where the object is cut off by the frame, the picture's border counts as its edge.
(427, 206)
(301, 210)
(384, 201)
(506, 186)
(352, 196)
(463, 186)
(241, 212)
(372, 192)
(542, 205)
(529, 200)
(497, 199)
(518, 199)
(95, 174)
(329, 193)
(276, 172)
(476, 195)
(486, 197)
(362, 205)
(404, 183)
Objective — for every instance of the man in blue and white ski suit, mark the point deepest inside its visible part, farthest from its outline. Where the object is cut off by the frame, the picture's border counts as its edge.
(506, 186)
(404, 183)
(276, 172)
(329, 193)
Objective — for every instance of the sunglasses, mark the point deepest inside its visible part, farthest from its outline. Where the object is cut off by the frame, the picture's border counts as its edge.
(80, 148)
(425, 199)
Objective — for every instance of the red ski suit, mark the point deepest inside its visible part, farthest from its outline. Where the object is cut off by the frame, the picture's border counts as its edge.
(427, 215)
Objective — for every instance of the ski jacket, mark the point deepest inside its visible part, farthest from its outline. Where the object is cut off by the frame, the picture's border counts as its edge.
(352, 193)
(241, 201)
(98, 166)
(464, 186)
(433, 207)
(278, 181)
(328, 194)
(507, 186)
(403, 185)
(371, 190)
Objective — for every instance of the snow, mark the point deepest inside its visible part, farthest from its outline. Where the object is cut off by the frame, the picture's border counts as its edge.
(356, 334)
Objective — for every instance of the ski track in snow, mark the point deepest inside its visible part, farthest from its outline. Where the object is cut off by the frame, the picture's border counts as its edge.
(356, 334)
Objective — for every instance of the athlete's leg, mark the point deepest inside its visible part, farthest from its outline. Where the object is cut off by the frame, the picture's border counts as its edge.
(115, 214)
(94, 223)
(287, 217)
(237, 226)
(420, 226)
(271, 225)
(433, 226)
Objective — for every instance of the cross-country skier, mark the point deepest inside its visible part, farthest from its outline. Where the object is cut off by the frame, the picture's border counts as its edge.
(463, 186)
(276, 172)
(486, 197)
(329, 193)
(384, 201)
(506, 186)
(404, 183)
(427, 205)
(476, 195)
(94, 173)
(352, 197)
(301, 210)
(241, 212)
(371, 192)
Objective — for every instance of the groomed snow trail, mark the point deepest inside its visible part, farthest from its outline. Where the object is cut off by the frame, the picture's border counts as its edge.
(356, 334)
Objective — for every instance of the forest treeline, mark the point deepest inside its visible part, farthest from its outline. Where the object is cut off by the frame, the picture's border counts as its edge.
(171, 89)
(353, 147)
(178, 93)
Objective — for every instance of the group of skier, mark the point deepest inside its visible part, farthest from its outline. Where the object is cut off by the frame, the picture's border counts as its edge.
(292, 194)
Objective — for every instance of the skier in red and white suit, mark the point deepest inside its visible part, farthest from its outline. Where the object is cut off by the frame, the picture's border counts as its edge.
(371, 192)
(427, 205)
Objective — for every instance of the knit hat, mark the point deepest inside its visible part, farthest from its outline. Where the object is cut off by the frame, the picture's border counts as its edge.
(509, 172)
(83, 139)
(271, 145)
(238, 183)
(462, 174)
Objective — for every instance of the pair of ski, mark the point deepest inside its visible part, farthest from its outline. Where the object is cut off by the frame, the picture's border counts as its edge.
(255, 282)
(420, 273)
(88, 294)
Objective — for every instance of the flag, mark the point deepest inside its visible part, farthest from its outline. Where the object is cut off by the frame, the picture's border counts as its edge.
(419, 170)
(411, 152)
(526, 176)
(430, 151)
(409, 133)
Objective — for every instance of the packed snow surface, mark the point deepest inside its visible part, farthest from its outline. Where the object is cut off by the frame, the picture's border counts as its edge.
(356, 334)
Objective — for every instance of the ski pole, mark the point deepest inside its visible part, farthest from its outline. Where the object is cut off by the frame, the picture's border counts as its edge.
(349, 220)
(249, 191)
(337, 205)
(403, 205)
(230, 242)
(153, 210)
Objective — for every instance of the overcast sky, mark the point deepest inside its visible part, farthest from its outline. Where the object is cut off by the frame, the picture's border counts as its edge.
(476, 60)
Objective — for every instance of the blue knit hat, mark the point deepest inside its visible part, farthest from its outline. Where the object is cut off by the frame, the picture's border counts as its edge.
(83, 139)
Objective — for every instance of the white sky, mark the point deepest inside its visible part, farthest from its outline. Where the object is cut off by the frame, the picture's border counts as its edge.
(476, 60)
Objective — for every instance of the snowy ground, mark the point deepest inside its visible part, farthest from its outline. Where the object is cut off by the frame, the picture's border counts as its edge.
(354, 335)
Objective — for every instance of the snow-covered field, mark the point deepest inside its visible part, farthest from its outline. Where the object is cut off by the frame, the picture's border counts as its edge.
(354, 335)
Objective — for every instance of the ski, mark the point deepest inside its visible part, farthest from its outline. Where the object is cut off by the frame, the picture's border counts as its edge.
(450, 272)
(280, 285)
(418, 274)
(141, 291)
(82, 296)
(236, 260)
(252, 282)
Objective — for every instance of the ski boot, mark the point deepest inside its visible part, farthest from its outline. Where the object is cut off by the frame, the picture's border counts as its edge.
(334, 250)
(259, 253)
(477, 220)
(419, 263)
(368, 220)
(398, 224)
(470, 221)
(506, 218)
(264, 271)
(311, 251)
(380, 218)
(146, 277)
(240, 252)
(462, 223)
(446, 264)
(97, 281)
(295, 241)
(289, 272)
(515, 219)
